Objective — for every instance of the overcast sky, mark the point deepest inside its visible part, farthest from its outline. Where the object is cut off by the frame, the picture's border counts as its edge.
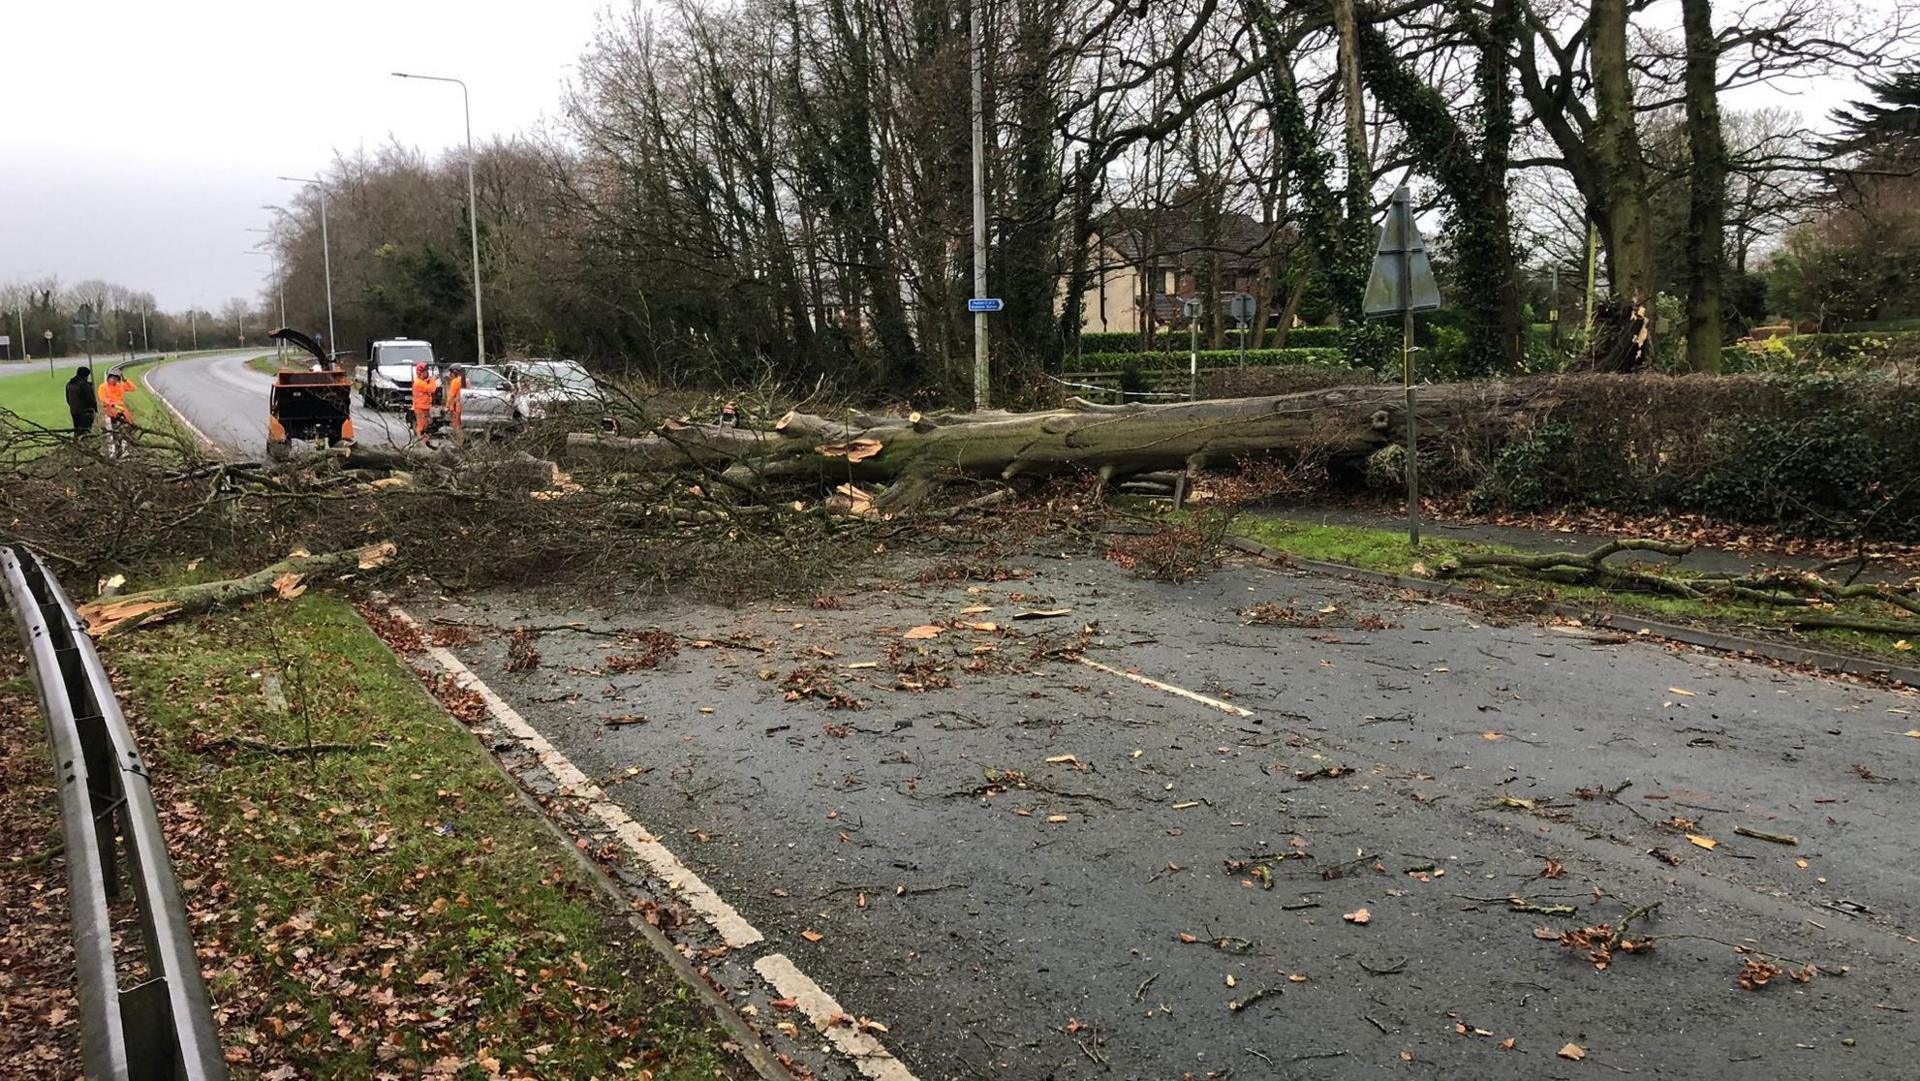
(140, 137)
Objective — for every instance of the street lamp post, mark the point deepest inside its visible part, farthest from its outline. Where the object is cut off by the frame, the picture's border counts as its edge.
(280, 288)
(326, 257)
(273, 262)
(473, 213)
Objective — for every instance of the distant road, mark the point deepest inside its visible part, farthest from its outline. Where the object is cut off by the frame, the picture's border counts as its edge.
(227, 402)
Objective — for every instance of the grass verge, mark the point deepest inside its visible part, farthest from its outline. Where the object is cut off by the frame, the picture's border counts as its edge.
(266, 364)
(40, 400)
(388, 906)
(1386, 551)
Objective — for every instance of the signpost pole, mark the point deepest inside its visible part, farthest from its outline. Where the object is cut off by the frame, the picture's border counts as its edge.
(1193, 360)
(1401, 284)
(982, 370)
(49, 337)
(1413, 420)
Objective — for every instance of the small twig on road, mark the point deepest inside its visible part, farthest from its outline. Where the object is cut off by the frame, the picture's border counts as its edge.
(1763, 835)
(1394, 969)
(1257, 1055)
(1320, 1054)
(1245, 1004)
(1140, 992)
(1383, 1029)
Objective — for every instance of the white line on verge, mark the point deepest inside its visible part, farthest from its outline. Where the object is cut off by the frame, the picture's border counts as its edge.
(1194, 696)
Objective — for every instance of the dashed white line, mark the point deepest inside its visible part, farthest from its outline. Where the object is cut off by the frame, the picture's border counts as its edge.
(821, 1008)
(1193, 696)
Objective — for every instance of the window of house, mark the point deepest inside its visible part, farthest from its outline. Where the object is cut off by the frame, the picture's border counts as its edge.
(1169, 286)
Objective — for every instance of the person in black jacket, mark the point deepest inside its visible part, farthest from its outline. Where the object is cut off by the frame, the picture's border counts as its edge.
(80, 400)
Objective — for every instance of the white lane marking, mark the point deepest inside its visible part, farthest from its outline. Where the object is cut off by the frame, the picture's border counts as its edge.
(734, 930)
(833, 1022)
(1192, 696)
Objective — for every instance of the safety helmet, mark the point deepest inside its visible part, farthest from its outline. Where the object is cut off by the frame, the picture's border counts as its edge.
(420, 370)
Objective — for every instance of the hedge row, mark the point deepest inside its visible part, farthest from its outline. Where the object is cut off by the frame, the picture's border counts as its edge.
(1826, 453)
(1129, 342)
(1209, 358)
(1801, 352)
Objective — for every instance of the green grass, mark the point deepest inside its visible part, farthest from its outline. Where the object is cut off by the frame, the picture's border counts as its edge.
(394, 905)
(37, 398)
(42, 400)
(1387, 551)
(267, 364)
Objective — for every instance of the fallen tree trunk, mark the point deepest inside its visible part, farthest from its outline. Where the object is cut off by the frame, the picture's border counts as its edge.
(914, 453)
(115, 615)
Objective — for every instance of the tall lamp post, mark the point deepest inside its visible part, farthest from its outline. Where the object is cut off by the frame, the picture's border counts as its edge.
(326, 254)
(280, 352)
(473, 212)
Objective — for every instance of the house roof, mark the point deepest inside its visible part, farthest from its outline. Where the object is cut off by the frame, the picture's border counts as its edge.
(1178, 233)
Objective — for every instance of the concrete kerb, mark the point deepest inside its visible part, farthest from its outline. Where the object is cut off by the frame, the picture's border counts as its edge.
(1625, 623)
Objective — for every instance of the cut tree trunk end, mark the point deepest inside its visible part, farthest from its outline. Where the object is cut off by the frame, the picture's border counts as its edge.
(287, 578)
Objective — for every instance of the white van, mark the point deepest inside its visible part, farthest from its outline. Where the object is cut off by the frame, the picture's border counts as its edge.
(389, 378)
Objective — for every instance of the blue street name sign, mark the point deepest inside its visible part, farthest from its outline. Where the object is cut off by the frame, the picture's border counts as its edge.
(985, 304)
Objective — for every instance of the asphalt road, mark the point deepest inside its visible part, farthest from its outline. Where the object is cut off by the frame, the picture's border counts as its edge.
(1050, 871)
(227, 402)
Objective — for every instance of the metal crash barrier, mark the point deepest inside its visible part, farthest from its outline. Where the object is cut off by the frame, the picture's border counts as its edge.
(160, 1028)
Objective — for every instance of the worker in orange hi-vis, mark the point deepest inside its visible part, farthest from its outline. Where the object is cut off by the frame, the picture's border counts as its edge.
(113, 399)
(456, 382)
(119, 419)
(424, 385)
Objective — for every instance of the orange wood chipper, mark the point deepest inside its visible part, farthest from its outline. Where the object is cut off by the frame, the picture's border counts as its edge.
(314, 404)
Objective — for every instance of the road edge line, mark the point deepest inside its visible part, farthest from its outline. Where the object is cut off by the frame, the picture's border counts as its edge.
(827, 1015)
(206, 444)
(1148, 681)
(733, 928)
(867, 1053)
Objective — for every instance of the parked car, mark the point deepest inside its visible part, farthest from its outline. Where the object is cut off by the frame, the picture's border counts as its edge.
(543, 386)
(488, 398)
(389, 378)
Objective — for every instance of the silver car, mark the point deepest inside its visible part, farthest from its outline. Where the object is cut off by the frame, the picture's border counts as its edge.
(511, 393)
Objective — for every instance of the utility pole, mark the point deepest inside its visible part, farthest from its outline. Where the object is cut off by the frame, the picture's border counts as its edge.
(193, 326)
(982, 371)
(473, 209)
(146, 343)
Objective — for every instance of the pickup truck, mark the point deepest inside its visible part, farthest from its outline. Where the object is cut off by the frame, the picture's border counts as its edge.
(389, 378)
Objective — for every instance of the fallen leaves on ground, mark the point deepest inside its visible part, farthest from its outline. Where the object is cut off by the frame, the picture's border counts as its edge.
(39, 1016)
(1755, 974)
(1358, 916)
(1572, 1051)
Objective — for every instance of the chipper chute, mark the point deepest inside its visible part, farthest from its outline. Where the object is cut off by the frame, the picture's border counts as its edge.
(308, 405)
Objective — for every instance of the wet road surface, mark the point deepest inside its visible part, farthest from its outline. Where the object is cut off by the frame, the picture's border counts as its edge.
(1049, 871)
(227, 402)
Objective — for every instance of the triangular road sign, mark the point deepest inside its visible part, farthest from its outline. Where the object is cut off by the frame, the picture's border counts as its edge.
(1402, 279)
